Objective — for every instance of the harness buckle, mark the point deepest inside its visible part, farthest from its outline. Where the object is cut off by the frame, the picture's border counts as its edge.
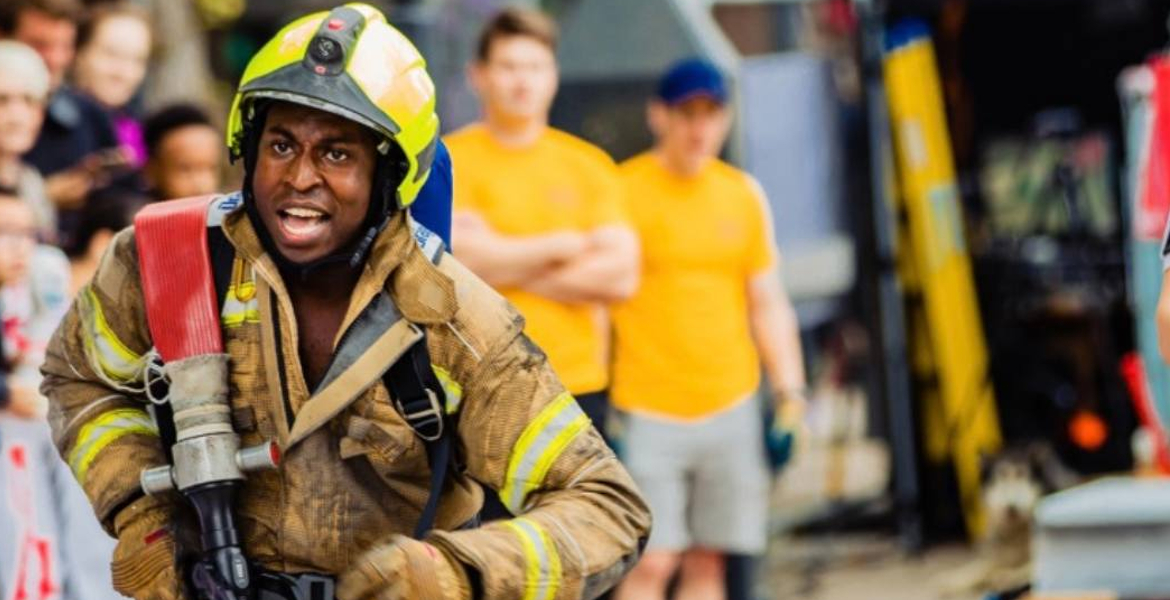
(302, 586)
(424, 414)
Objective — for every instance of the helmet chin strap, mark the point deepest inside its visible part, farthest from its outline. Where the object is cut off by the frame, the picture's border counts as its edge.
(353, 254)
(383, 196)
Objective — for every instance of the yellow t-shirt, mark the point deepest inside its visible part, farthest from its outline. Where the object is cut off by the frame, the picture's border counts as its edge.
(684, 346)
(560, 182)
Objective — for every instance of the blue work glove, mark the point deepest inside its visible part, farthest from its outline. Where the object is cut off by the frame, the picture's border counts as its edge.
(784, 426)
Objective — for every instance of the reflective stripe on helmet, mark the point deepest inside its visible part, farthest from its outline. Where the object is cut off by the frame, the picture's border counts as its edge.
(539, 446)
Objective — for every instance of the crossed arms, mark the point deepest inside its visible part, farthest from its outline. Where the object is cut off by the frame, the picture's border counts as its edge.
(595, 266)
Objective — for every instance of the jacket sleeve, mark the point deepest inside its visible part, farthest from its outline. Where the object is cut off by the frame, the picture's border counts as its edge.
(94, 375)
(581, 523)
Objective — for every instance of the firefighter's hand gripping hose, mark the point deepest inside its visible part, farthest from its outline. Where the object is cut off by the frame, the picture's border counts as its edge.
(144, 560)
(404, 568)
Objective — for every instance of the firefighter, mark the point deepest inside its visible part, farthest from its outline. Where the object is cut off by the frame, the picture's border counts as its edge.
(334, 122)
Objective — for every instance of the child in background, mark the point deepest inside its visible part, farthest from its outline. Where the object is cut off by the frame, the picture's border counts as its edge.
(33, 292)
(101, 220)
(184, 153)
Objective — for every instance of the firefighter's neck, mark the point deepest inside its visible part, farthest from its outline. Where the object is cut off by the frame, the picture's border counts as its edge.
(327, 282)
(320, 302)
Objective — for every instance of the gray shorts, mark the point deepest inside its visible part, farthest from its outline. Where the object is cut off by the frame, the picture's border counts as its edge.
(707, 482)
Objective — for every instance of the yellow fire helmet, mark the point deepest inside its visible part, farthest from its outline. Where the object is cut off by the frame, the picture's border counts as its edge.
(350, 62)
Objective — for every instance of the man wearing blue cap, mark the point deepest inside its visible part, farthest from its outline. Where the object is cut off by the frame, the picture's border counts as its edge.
(691, 340)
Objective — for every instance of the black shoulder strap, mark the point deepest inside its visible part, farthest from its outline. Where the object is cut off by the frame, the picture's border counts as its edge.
(164, 416)
(422, 402)
(223, 254)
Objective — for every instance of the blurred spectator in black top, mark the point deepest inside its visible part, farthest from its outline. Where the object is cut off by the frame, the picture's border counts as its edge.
(113, 48)
(102, 217)
(77, 150)
(24, 88)
(184, 151)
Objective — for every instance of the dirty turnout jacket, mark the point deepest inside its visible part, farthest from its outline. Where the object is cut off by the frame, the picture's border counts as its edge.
(353, 471)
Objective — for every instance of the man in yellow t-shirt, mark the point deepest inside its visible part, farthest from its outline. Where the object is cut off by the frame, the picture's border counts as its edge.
(691, 340)
(539, 213)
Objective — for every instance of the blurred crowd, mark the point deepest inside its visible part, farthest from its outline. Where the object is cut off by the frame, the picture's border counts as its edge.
(78, 157)
(76, 146)
(545, 217)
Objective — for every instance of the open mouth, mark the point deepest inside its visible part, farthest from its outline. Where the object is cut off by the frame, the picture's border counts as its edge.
(301, 224)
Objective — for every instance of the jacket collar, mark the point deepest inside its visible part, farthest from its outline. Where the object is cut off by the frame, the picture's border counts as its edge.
(395, 262)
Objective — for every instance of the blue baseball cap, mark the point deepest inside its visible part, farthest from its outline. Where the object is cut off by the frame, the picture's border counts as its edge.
(691, 78)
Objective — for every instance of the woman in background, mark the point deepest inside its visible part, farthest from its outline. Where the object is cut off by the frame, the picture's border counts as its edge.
(113, 47)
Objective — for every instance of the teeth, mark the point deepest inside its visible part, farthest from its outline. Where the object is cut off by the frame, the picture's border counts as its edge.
(304, 213)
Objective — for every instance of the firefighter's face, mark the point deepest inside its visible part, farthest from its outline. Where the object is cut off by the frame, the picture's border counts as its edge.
(312, 183)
